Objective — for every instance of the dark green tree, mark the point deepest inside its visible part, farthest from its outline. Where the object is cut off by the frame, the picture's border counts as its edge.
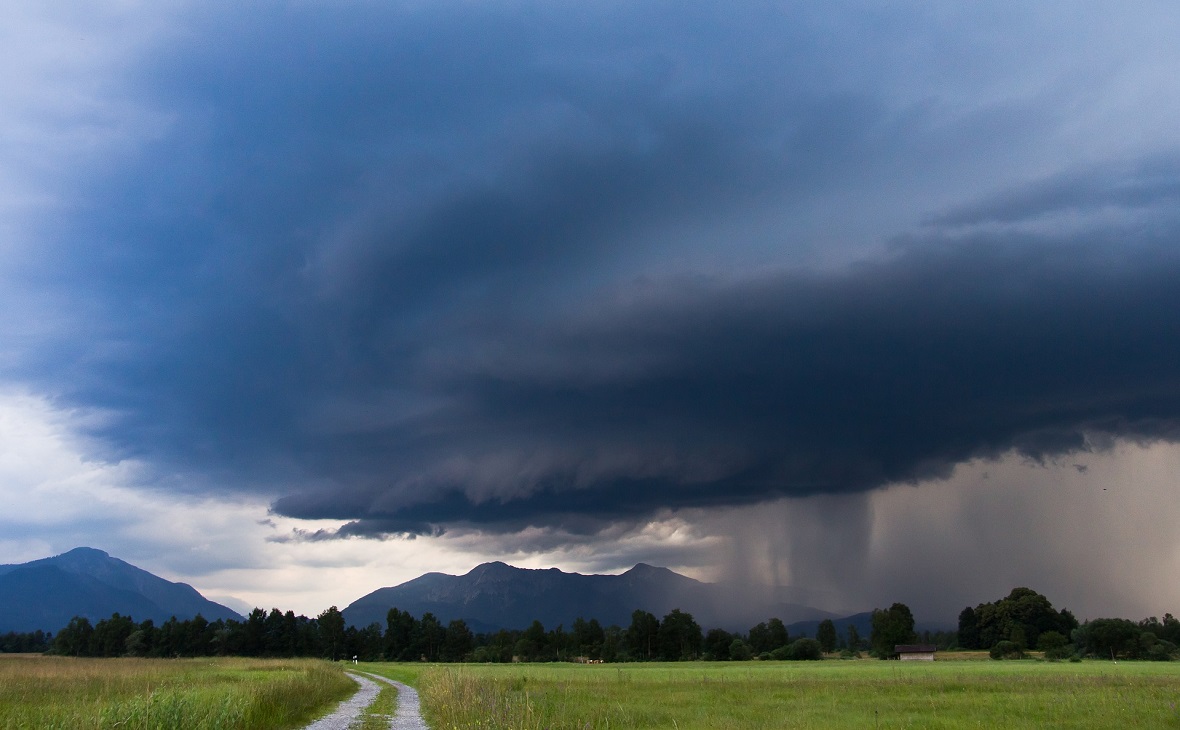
(1109, 638)
(1054, 645)
(530, 646)
(368, 644)
(74, 639)
(110, 636)
(497, 647)
(400, 628)
(331, 623)
(1170, 629)
(968, 629)
(254, 634)
(739, 651)
(716, 645)
(557, 644)
(310, 641)
(643, 635)
(431, 636)
(1006, 650)
(1020, 617)
(19, 642)
(458, 641)
(854, 640)
(776, 633)
(198, 636)
(278, 634)
(587, 638)
(891, 627)
(170, 640)
(804, 650)
(825, 634)
(137, 643)
(1167, 634)
(679, 636)
(760, 639)
(613, 643)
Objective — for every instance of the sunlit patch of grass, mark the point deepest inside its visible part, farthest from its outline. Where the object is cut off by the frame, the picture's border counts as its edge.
(245, 694)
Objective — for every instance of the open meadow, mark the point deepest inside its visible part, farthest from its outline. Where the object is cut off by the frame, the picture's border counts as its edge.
(829, 694)
(48, 693)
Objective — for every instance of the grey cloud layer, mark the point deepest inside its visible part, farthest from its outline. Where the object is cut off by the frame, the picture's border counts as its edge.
(791, 385)
(423, 267)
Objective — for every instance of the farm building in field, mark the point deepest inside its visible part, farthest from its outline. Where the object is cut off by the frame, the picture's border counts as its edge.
(915, 652)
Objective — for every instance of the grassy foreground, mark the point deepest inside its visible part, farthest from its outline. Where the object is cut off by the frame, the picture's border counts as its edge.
(830, 694)
(142, 694)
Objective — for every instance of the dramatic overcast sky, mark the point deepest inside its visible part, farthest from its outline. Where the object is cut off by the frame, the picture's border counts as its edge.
(299, 300)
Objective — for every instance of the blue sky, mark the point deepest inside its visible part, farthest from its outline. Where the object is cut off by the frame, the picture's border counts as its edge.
(290, 291)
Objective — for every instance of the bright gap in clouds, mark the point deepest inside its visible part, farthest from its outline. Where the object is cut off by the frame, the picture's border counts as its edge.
(55, 499)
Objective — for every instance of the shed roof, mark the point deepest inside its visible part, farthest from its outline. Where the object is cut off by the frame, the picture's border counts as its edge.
(915, 648)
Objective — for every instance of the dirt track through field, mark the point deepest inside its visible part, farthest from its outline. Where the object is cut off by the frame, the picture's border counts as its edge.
(408, 716)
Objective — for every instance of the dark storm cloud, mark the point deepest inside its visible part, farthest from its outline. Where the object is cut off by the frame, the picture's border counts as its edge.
(732, 393)
(419, 267)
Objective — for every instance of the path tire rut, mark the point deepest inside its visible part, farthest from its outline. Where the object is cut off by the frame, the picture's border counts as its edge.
(408, 717)
(409, 713)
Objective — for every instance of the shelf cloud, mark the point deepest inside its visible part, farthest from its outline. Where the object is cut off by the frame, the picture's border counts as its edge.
(425, 268)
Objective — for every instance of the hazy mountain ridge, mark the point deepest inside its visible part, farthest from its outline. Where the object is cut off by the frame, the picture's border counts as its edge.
(495, 595)
(45, 594)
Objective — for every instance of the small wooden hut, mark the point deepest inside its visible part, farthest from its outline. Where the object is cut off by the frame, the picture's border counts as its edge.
(915, 652)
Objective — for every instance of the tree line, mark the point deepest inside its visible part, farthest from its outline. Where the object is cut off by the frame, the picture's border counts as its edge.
(261, 634)
(677, 637)
(32, 642)
(1025, 620)
(1007, 628)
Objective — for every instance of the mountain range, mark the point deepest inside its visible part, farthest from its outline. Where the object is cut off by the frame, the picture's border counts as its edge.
(494, 595)
(45, 594)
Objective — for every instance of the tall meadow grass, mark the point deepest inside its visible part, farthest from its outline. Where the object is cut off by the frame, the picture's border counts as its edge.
(830, 694)
(148, 694)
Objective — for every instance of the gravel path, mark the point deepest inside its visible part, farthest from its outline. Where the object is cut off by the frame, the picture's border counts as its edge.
(408, 716)
(351, 708)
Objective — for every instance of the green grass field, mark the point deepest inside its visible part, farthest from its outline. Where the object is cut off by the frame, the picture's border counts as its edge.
(829, 694)
(140, 694)
(55, 692)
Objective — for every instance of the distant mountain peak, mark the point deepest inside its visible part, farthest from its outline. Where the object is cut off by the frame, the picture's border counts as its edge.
(86, 551)
(44, 594)
(82, 555)
(496, 595)
(641, 568)
(495, 566)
